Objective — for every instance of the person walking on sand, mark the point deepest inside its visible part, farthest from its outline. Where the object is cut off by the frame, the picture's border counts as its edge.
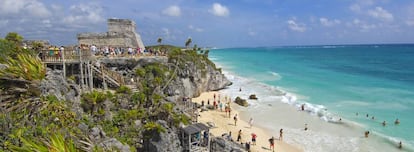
(221, 106)
(254, 136)
(400, 145)
(229, 111)
(272, 143)
(235, 119)
(239, 135)
(251, 122)
(281, 134)
(306, 127)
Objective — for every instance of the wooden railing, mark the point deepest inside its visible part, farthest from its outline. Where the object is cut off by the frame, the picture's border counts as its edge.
(69, 55)
(110, 76)
(113, 75)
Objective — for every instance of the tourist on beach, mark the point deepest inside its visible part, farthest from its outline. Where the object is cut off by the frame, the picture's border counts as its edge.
(214, 97)
(251, 122)
(229, 111)
(400, 145)
(281, 134)
(306, 127)
(202, 103)
(272, 143)
(397, 121)
(208, 101)
(221, 106)
(240, 89)
(302, 107)
(235, 119)
(384, 123)
(229, 137)
(254, 136)
(366, 134)
(247, 146)
(239, 135)
(214, 104)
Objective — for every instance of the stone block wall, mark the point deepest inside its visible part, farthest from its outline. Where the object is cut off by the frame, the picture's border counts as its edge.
(121, 33)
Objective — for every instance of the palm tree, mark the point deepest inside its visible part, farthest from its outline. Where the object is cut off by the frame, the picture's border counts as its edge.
(159, 40)
(14, 37)
(188, 42)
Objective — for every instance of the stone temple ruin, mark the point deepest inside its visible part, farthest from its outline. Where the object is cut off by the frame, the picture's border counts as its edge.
(121, 33)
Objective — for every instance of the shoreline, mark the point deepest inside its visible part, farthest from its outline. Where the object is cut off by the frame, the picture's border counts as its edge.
(224, 124)
(272, 113)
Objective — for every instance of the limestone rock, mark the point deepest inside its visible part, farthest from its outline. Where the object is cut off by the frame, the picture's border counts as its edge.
(241, 102)
(167, 141)
(221, 144)
(253, 97)
(113, 143)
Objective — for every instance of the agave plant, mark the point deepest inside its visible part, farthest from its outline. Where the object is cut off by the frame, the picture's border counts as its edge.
(25, 66)
(56, 143)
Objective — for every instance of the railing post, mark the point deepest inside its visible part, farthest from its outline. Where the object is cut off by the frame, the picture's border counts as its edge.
(64, 63)
(103, 77)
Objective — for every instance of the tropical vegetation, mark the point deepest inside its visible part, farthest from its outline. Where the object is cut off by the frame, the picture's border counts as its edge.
(33, 121)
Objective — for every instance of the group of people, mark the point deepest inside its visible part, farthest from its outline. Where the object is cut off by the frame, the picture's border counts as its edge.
(111, 51)
(384, 123)
(228, 136)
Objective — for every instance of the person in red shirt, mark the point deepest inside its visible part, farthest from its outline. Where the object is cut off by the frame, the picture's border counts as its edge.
(254, 136)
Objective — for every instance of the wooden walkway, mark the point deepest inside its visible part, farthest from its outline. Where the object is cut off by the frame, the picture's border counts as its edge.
(84, 58)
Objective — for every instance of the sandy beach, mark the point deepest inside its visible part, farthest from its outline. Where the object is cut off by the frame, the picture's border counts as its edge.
(225, 124)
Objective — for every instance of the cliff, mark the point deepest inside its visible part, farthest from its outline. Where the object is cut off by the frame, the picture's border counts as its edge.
(147, 119)
(192, 77)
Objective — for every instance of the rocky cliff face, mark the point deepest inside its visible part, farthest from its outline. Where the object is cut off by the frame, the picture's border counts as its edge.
(192, 78)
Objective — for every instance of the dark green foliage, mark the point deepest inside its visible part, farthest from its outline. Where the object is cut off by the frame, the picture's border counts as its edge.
(153, 126)
(124, 90)
(92, 102)
(48, 117)
(14, 37)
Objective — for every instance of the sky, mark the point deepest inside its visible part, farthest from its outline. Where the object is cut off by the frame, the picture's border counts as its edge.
(219, 23)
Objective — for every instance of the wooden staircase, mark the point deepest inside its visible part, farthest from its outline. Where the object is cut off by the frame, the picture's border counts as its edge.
(109, 76)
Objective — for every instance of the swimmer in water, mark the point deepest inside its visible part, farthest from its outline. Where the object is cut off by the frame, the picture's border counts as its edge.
(397, 121)
(384, 123)
(366, 134)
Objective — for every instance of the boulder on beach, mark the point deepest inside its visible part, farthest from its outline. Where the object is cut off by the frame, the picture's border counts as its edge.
(253, 97)
(241, 102)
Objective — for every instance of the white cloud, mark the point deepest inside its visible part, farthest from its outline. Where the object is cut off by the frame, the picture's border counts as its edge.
(355, 8)
(295, 26)
(84, 14)
(380, 13)
(32, 8)
(409, 22)
(172, 11)
(410, 15)
(197, 29)
(326, 22)
(219, 10)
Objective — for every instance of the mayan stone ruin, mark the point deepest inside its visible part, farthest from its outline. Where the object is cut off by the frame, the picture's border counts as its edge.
(121, 33)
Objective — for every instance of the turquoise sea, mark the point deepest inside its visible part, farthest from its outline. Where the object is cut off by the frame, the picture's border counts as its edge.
(334, 82)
